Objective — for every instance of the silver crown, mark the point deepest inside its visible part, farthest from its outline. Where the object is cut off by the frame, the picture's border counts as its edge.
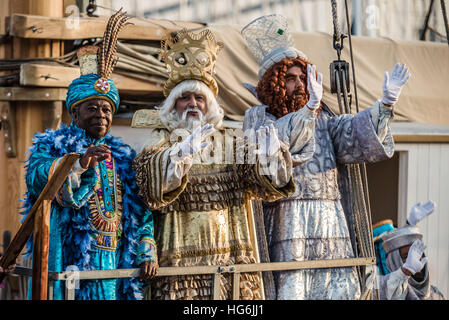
(400, 237)
(269, 40)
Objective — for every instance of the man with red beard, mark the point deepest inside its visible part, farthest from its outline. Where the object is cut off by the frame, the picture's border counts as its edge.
(311, 224)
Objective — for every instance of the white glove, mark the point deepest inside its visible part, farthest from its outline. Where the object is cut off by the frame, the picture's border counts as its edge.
(420, 211)
(268, 141)
(315, 87)
(195, 142)
(392, 86)
(414, 263)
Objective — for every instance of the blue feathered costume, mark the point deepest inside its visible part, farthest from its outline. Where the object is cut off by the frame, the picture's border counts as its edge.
(98, 221)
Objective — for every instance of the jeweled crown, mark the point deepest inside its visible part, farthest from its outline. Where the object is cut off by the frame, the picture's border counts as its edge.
(190, 55)
(270, 41)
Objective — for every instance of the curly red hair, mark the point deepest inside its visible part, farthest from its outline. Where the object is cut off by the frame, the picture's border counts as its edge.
(271, 89)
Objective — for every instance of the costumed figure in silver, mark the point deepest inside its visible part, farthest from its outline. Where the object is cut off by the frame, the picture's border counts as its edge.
(312, 224)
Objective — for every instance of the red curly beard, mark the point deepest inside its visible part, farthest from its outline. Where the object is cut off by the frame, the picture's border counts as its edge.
(271, 89)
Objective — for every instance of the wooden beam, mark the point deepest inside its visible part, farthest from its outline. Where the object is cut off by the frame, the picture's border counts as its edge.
(40, 251)
(41, 27)
(119, 121)
(27, 227)
(130, 85)
(421, 138)
(208, 269)
(41, 75)
(32, 94)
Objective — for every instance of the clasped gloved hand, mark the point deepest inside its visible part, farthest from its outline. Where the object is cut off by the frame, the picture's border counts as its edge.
(196, 141)
(268, 141)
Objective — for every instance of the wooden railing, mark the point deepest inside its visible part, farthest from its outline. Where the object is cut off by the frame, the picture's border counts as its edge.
(38, 222)
(216, 271)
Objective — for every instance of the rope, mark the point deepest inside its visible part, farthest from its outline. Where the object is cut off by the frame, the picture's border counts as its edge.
(337, 32)
(446, 24)
(358, 183)
(426, 22)
(352, 58)
(363, 166)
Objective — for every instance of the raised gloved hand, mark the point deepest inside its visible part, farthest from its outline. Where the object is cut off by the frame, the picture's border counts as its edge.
(268, 141)
(392, 85)
(315, 87)
(420, 211)
(195, 142)
(414, 263)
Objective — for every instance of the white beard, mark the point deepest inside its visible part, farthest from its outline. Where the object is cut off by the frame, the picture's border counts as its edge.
(190, 122)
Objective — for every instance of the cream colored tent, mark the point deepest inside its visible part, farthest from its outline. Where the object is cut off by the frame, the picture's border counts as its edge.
(425, 98)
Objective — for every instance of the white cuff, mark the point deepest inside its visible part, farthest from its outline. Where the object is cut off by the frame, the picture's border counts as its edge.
(308, 113)
(402, 276)
(176, 154)
(77, 169)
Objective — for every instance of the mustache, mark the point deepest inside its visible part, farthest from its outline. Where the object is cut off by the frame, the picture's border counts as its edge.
(99, 123)
(192, 109)
(299, 91)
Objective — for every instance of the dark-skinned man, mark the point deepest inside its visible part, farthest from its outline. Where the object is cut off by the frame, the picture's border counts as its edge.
(98, 221)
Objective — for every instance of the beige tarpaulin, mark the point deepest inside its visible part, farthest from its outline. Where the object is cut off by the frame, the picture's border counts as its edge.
(424, 99)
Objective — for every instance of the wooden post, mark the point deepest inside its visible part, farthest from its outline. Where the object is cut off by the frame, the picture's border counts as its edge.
(40, 251)
(216, 289)
(27, 227)
(5, 172)
(236, 286)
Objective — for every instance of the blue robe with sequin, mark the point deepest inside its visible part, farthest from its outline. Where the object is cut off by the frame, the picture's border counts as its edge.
(73, 238)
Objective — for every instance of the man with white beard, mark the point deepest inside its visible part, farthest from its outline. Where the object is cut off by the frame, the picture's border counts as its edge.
(199, 193)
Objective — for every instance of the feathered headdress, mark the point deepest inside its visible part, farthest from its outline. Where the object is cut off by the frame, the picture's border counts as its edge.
(96, 66)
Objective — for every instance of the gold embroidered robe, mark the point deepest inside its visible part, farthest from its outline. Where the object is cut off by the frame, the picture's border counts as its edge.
(202, 215)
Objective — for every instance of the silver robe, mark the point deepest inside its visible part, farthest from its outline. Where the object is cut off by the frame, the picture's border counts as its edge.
(311, 224)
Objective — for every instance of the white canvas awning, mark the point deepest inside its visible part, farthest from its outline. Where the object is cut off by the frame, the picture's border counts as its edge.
(425, 98)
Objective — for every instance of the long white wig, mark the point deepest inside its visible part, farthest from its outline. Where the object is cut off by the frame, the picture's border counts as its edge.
(169, 115)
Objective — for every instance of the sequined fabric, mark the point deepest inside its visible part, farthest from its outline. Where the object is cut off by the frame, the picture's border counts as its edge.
(106, 224)
(204, 220)
(204, 238)
(310, 230)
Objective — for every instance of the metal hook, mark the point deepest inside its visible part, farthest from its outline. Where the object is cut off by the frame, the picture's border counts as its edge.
(91, 8)
(36, 29)
(338, 46)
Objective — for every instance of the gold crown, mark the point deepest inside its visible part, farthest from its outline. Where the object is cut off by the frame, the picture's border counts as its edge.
(190, 56)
